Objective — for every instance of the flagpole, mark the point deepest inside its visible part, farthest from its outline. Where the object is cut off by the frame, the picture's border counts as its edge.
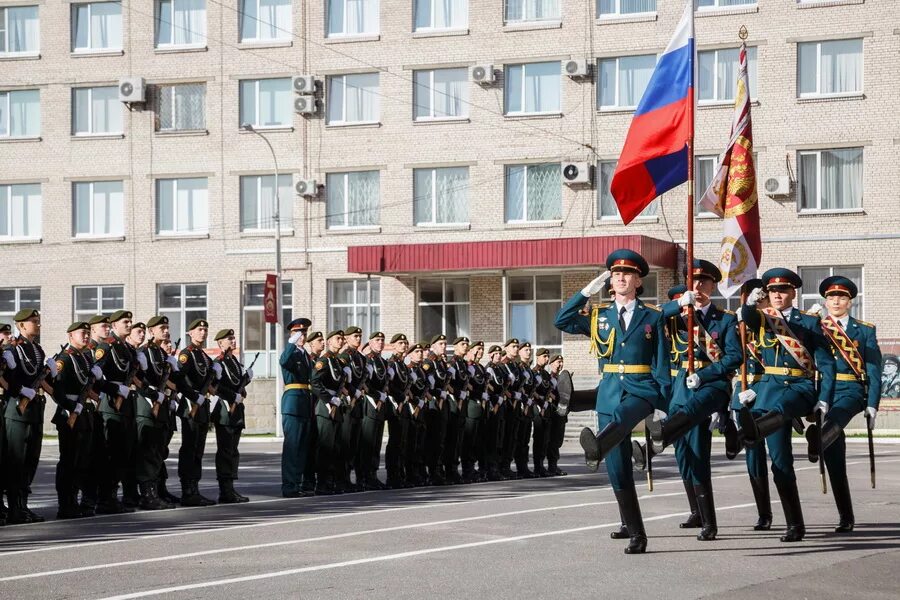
(690, 207)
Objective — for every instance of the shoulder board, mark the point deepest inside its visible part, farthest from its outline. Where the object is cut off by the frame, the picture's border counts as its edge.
(728, 312)
(866, 323)
(319, 365)
(652, 307)
(603, 305)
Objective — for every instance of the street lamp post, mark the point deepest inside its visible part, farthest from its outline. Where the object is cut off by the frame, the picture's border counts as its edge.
(279, 342)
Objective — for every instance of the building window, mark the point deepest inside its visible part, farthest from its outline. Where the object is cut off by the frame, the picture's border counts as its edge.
(533, 193)
(265, 20)
(606, 204)
(812, 277)
(267, 102)
(650, 283)
(182, 303)
(830, 68)
(181, 206)
(181, 107)
(831, 179)
(354, 302)
(258, 202)
(99, 209)
(96, 26)
(20, 30)
(96, 111)
(93, 300)
(532, 10)
(20, 211)
(713, 4)
(353, 99)
(12, 300)
(704, 171)
(614, 8)
(533, 88)
(441, 14)
(352, 199)
(259, 336)
(718, 72)
(441, 94)
(441, 195)
(20, 114)
(443, 308)
(180, 23)
(623, 81)
(533, 302)
(352, 17)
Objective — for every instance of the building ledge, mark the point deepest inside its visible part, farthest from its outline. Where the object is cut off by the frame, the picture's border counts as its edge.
(354, 230)
(443, 226)
(533, 224)
(266, 233)
(179, 49)
(98, 136)
(178, 237)
(830, 98)
(19, 241)
(353, 125)
(433, 33)
(98, 238)
(97, 53)
(442, 121)
(23, 56)
(182, 133)
(531, 25)
(721, 11)
(526, 117)
(19, 140)
(620, 19)
(823, 3)
(349, 39)
(265, 44)
(831, 213)
(288, 129)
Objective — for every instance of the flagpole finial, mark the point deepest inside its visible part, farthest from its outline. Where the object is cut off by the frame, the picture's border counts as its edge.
(743, 33)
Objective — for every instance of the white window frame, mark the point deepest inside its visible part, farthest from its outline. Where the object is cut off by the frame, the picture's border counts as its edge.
(183, 309)
(507, 20)
(84, 315)
(431, 97)
(90, 49)
(715, 100)
(815, 298)
(6, 189)
(4, 16)
(506, 169)
(699, 210)
(93, 233)
(818, 208)
(555, 348)
(819, 93)
(345, 176)
(376, 97)
(159, 100)
(523, 112)
(176, 232)
(8, 125)
(618, 14)
(7, 316)
(368, 306)
(268, 367)
(432, 27)
(256, 105)
(617, 107)
(172, 27)
(90, 112)
(434, 203)
(286, 221)
(343, 32)
(443, 304)
(724, 7)
(284, 34)
(648, 214)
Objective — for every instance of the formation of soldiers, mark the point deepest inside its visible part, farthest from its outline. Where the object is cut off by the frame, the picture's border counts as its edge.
(753, 375)
(117, 387)
(450, 419)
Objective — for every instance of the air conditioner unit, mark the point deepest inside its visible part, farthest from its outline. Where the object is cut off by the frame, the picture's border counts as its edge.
(132, 89)
(482, 74)
(576, 173)
(305, 105)
(307, 187)
(778, 186)
(304, 84)
(577, 68)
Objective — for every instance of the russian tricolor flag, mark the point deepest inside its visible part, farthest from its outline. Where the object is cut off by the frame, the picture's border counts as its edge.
(654, 158)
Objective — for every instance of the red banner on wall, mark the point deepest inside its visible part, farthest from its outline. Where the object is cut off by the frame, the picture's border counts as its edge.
(270, 299)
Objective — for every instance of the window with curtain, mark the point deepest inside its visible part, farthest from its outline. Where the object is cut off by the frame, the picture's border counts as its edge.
(180, 23)
(12, 300)
(533, 193)
(831, 179)
(258, 202)
(702, 4)
(830, 68)
(441, 195)
(259, 336)
(20, 113)
(182, 303)
(606, 204)
(441, 14)
(717, 74)
(20, 30)
(96, 26)
(352, 199)
(610, 8)
(622, 80)
(96, 111)
(441, 94)
(443, 308)
(812, 277)
(265, 20)
(532, 88)
(181, 107)
(532, 10)
(353, 99)
(20, 211)
(352, 17)
(354, 302)
(90, 300)
(181, 206)
(99, 208)
(532, 304)
(267, 102)
(704, 170)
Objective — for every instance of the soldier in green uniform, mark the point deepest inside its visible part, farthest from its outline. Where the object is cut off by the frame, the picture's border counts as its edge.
(196, 382)
(228, 416)
(315, 343)
(374, 401)
(131, 497)
(438, 408)
(328, 381)
(476, 399)
(558, 419)
(354, 365)
(525, 413)
(296, 413)
(458, 371)
(159, 350)
(5, 336)
(497, 382)
(414, 424)
(543, 389)
(398, 392)
(511, 408)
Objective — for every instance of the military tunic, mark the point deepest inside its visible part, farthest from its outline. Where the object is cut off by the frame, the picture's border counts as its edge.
(196, 376)
(228, 416)
(297, 422)
(328, 381)
(398, 392)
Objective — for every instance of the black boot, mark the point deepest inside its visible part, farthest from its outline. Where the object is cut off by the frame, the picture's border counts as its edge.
(840, 488)
(793, 513)
(756, 430)
(204, 501)
(830, 434)
(68, 506)
(641, 454)
(631, 514)
(35, 518)
(165, 494)
(16, 515)
(734, 440)
(622, 532)
(707, 506)
(227, 495)
(190, 495)
(666, 431)
(163, 503)
(760, 487)
(597, 446)
(694, 521)
(148, 500)
(131, 497)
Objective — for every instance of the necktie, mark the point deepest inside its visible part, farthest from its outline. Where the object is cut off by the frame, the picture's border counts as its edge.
(622, 318)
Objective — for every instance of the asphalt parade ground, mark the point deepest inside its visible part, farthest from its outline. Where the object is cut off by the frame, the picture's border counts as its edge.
(540, 538)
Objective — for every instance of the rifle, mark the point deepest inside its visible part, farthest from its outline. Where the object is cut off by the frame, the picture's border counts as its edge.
(23, 402)
(208, 388)
(87, 392)
(245, 380)
(869, 425)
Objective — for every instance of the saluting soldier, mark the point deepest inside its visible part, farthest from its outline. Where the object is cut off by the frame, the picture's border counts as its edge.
(510, 410)
(525, 414)
(354, 364)
(456, 418)
(228, 416)
(857, 387)
(297, 413)
(497, 382)
(541, 411)
(792, 348)
(328, 381)
(196, 381)
(472, 450)
(414, 420)
(558, 419)
(628, 337)
(374, 409)
(438, 408)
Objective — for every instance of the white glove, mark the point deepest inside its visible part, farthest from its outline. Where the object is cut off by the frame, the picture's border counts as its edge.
(687, 298)
(517, 395)
(391, 371)
(218, 369)
(755, 296)
(294, 337)
(596, 285)
(239, 399)
(443, 394)
(817, 308)
(822, 406)
(160, 397)
(173, 405)
(357, 393)
(51, 364)
(484, 396)
(431, 381)
(871, 413)
(714, 422)
(123, 391)
(347, 371)
(10, 361)
(202, 399)
(511, 377)
(142, 360)
(172, 361)
(382, 396)
(413, 375)
(452, 371)
(370, 368)
(692, 381)
(78, 409)
(335, 401)
(471, 370)
(27, 392)
(463, 395)
(747, 397)
(97, 372)
(249, 374)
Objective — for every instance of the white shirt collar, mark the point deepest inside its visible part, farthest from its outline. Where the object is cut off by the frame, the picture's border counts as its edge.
(844, 321)
(705, 309)
(629, 308)
(787, 312)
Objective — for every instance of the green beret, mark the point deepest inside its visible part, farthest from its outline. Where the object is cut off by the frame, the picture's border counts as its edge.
(555, 357)
(461, 340)
(119, 315)
(438, 338)
(541, 352)
(399, 337)
(224, 333)
(511, 341)
(416, 346)
(333, 333)
(524, 345)
(376, 334)
(5, 328)
(197, 323)
(77, 325)
(25, 314)
(97, 319)
(158, 320)
(477, 344)
(353, 329)
(138, 325)
(315, 335)
(494, 348)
